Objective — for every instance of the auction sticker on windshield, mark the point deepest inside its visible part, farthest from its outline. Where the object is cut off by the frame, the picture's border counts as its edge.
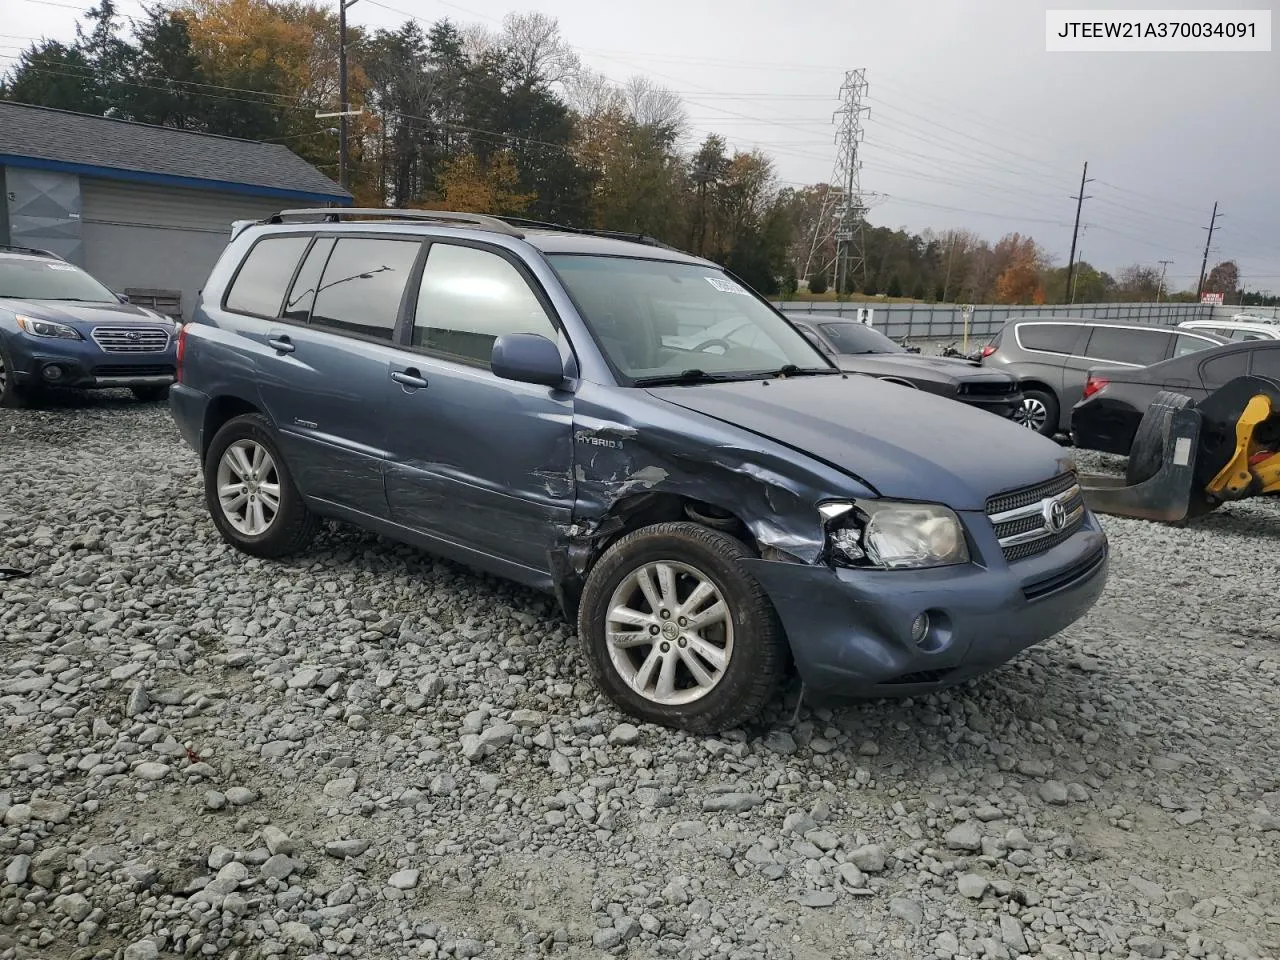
(726, 286)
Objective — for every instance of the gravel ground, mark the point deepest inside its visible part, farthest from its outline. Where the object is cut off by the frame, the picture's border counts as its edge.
(369, 753)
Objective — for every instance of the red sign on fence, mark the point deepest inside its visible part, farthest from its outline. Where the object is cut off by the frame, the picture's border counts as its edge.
(1214, 298)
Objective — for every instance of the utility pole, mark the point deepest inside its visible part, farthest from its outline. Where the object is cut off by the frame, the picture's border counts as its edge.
(1076, 279)
(1164, 265)
(1205, 262)
(344, 108)
(1079, 199)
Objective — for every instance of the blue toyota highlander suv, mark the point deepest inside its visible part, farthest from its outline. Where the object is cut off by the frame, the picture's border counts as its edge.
(538, 402)
(59, 327)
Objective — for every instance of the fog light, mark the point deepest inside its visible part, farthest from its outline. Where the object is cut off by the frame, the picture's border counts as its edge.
(919, 628)
(52, 372)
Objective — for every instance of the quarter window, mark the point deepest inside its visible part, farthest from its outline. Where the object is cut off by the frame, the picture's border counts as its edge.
(264, 276)
(1048, 337)
(1125, 345)
(362, 285)
(470, 297)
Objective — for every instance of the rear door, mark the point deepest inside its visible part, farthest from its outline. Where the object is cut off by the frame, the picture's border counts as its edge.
(476, 460)
(328, 397)
(1046, 348)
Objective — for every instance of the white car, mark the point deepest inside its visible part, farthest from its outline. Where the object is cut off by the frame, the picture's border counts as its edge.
(1252, 329)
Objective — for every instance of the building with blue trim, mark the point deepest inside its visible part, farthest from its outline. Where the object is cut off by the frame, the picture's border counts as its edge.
(144, 209)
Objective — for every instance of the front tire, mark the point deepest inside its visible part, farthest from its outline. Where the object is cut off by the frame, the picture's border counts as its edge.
(676, 632)
(1039, 412)
(12, 394)
(250, 493)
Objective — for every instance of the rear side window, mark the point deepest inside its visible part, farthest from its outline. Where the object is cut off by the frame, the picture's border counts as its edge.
(1266, 363)
(303, 294)
(1048, 337)
(1218, 370)
(1123, 345)
(362, 284)
(259, 285)
(469, 298)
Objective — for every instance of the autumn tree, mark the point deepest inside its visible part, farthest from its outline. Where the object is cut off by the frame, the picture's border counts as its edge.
(1224, 278)
(468, 186)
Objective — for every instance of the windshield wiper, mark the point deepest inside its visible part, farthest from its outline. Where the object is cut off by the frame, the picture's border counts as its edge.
(693, 375)
(791, 370)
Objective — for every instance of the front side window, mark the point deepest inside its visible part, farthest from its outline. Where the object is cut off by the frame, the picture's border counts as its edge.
(1266, 362)
(1183, 344)
(362, 284)
(854, 338)
(1123, 345)
(260, 283)
(657, 319)
(469, 297)
(29, 278)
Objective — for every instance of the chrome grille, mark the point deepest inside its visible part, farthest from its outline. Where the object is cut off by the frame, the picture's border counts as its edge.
(1034, 519)
(131, 339)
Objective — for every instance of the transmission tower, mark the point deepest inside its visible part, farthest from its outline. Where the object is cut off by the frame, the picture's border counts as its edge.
(843, 213)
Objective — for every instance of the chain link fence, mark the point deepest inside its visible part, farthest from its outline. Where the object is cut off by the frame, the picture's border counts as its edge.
(947, 321)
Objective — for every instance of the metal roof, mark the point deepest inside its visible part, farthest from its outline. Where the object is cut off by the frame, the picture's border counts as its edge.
(44, 138)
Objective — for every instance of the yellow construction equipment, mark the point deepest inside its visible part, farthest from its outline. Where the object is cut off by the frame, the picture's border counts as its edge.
(1189, 458)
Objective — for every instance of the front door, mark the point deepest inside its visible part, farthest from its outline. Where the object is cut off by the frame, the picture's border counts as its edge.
(475, 460)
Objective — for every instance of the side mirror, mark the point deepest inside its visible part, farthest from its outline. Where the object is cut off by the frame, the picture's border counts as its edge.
(527, 358)
(122, 298)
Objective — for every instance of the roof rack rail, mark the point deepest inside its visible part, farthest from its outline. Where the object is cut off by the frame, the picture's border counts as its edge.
(591, 232)
(340, 214)
(33, 251)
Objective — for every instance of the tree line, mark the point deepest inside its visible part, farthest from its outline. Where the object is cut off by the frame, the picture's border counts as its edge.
(509, 121)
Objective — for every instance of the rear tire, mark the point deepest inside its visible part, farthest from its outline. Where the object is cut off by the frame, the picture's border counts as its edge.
(250, 493)
(705, 676)
(150, 394)
(1040, 412)
(1146, 456)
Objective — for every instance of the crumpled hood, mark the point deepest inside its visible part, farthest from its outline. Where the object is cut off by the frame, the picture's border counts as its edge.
(933, 368)
(75, 312)
(904, 443)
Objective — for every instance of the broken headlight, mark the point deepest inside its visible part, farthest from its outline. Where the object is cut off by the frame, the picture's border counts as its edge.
(891, 535)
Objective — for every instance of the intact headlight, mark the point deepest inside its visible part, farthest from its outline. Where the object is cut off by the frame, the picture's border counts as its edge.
(893, 535)
(47, 328)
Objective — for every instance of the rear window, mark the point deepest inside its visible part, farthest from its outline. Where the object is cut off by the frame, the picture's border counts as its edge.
(1125, 345)
(259, 285)
(1048, 337)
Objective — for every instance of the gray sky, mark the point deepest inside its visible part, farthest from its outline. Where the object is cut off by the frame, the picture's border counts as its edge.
(972, 124)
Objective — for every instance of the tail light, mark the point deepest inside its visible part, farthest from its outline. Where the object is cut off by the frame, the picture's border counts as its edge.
(988, 350)
(182, 349)
(1093, 385)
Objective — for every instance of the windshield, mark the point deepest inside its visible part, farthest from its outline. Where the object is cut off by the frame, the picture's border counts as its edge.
(859, 338)
(31, 279)
(656, 319)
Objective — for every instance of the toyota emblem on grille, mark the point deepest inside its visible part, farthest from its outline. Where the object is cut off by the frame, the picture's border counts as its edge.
(1055, 516)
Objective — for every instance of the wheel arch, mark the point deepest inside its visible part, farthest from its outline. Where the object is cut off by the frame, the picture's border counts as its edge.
(219, 411)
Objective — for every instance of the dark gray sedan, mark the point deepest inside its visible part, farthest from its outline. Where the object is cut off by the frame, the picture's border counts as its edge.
(1115, 399)
(858, 348)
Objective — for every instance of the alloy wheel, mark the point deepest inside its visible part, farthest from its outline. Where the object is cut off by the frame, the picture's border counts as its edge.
(1032, 414)
(248, 487)
(669, 632)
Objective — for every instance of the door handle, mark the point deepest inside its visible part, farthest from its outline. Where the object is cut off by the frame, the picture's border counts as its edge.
(409, 378)
(281, 344)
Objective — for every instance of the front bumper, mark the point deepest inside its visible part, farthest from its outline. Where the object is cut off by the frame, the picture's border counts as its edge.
(850, 630)
(82, 364)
